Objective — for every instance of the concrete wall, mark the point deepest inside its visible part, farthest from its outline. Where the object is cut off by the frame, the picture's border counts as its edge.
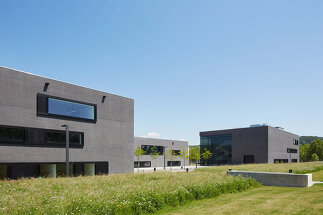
(169, 144)
(266, 143)
(278, 142)
(246, 141)
(110, 139)
(277, 179)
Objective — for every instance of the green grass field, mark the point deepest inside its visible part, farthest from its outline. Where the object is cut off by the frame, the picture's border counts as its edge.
(135, 193)
(262, 200)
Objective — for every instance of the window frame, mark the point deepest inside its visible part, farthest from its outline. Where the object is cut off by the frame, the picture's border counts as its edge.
(151, 146)
(291, 150)
(62, 144)
(140, 164)
(295, 142)
(41, 140)
(13, 142)
(172, 162)
(42, 108)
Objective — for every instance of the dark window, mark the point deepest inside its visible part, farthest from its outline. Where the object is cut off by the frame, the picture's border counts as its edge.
(295, 142)
(49, 106)
(220, 146)
(16, 171)
(289, 150)
(59, 137)
(176, 152)
(142, 164)
(101, 168)
(294, 160)
(249, 159)
(78, 169)
(173, 163)
(21, 136)
(149, 149)
(12, 135)
(280, 160)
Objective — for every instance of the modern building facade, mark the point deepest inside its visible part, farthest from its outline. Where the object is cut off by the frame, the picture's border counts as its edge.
(263, 144)
(32, 139)
(171, 158)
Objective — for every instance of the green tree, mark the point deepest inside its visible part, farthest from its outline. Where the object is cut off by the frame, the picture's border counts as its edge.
(206, 155)
(307, 150)
(139, 153)
(184, 155)
(317, 148)
(195, 155)
(154, 154)
(314, 157)
(171, 156)
(304, 152)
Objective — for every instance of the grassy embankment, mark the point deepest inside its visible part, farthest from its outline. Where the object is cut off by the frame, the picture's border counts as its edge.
(114, 194)
(263, 200)
(126, 193)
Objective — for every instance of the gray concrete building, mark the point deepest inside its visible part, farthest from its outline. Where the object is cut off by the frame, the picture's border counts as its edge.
(261, 144)
(32, 139)
(172, 149)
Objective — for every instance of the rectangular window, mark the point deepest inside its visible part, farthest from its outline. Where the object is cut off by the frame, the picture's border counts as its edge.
(23, 136)
(294, 160)
(280, 160)
(173, 163)
(149, 149)
(12, 135)
(220, 146)
(295, 142)
(289, 150)
(142, 164)
(59, 138)
(176, 152)
(49, 106)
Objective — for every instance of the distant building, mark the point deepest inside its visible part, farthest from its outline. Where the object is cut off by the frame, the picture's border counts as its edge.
(161, 146)
(256, 144)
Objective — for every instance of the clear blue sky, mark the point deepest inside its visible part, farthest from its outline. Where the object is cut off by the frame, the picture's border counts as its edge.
(190, 65)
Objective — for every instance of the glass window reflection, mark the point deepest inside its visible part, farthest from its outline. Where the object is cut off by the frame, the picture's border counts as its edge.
(70, 109)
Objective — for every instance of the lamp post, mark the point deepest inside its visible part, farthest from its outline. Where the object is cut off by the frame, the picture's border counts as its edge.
(165, 157)
(67, 167)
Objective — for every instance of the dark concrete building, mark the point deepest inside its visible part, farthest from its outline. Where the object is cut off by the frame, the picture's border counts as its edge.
(263, 144)
(32, 139)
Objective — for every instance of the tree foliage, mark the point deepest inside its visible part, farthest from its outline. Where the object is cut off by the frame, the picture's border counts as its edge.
(195, 155)
(311, 152)
(308, 139)
(154, 154)
(139, 153)
(206, 155)
(184, 155)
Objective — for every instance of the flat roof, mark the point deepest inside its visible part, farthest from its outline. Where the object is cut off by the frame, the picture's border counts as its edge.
(15, 70)
(234, 129)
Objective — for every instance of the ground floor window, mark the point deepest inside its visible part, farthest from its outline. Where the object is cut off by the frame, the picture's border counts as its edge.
(280, 160)
(173, 163)
(248, 159)
(294, 160)
(34, 170)
(142, 164)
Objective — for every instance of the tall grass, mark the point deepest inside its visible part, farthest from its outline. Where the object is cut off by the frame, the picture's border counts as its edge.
(124, 193)
(304, 167)
(113, 194)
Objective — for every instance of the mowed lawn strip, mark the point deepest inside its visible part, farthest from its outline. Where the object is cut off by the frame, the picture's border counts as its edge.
(263, 200)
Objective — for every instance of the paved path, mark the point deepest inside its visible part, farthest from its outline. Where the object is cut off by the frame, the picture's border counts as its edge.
(160, 169)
